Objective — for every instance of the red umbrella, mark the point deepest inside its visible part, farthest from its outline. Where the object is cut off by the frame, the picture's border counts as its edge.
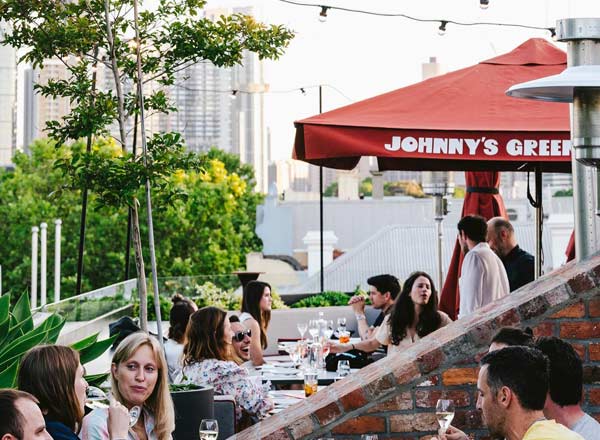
(458, 121)
(482, 199)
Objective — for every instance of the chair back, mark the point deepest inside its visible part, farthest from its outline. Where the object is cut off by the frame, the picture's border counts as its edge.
(191, 406)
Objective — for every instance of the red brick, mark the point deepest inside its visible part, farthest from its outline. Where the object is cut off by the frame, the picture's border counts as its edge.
(424, 421)
(533, 308)
(360, 425)
(353, 400)
(278, 435)
(302, 427)
(430, 382)
(328, 414)
(509, 318)
(595, 308)
(581, 283)
(429, 398)
(431, 360)
(594, 396)
(594, 351)
(399, 402)
(591, 373)
(406, 373)
(580, 350)
(580, 330)
(380, 386)
(544, 329)
(576, 310)
(468, 419)
(460, 376)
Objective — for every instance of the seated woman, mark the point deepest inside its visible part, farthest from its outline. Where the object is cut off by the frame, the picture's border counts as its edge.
(54, 375)
(414, 315)
(178, 320)
(207, 360)
(255, 316)
(138, 378)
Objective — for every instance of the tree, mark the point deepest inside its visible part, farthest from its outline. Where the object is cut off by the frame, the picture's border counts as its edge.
(138, 49)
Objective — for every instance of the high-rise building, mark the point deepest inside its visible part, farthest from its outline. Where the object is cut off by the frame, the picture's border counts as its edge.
(8, 76)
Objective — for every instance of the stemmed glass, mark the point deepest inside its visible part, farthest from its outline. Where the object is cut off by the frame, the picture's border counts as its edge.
(209, 429)
(313, 328)
(341, 326)
(302, 326)
(97, 398)
(328, 330)
(444, 411)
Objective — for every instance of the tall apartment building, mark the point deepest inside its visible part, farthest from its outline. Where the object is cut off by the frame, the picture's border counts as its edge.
(8, 79)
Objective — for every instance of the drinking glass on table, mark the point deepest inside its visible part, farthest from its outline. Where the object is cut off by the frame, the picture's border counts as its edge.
(310, 382)
(341, 325)
(313, 328)
(444, 411)
(344, 337)
(97, 398)
(343, 368)
(209, 429)
(328, 331)
(302, 326)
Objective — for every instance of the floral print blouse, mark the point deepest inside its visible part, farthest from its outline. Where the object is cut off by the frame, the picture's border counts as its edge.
(228, 378)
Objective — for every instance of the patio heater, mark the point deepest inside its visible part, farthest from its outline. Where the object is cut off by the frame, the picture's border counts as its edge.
(438, 185)
(579, 84)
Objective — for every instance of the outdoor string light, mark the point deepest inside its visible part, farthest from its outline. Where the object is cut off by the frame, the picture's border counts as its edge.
(323, 14)
(483, 4)
(442, 28)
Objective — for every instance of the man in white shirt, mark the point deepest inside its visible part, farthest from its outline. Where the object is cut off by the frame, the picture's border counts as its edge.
(483, 277)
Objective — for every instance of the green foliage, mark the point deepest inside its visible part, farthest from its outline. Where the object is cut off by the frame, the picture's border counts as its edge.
(165, 307)
(19, 335)
(564, 193)
(218, 213)
(325, 299)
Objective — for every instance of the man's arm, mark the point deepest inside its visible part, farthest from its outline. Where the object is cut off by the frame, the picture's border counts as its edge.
(358, 307)
(368, 345)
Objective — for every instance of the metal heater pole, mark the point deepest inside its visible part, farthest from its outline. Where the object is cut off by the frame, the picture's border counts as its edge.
(321, 200)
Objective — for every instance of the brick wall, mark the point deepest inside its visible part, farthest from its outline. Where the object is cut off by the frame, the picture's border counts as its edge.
(395, 397)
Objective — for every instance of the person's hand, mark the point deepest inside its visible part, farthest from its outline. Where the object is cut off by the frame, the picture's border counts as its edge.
(453, 434)
(358, 304)
(118, 420)
(335, 348)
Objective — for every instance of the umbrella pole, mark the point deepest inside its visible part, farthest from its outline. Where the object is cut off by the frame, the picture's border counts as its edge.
(321, 200)
(538, 222)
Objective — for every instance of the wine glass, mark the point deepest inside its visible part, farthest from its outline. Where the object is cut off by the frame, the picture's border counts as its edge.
(328, 330)
(444, 411)
(302, 326)
(209, 429)
(97, 398)
(313, 328)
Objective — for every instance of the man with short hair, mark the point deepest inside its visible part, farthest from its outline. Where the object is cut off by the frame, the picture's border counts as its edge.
(21, 417)
(565, 388)
(519, 264)
(383, 290)
(510, 336)
(241, 339)
(483, 277)
(512, 386)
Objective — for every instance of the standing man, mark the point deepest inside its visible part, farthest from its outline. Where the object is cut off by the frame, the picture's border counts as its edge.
(512, 387)
(519, 264)
(483, 277)
(565, 389)
(383, 290)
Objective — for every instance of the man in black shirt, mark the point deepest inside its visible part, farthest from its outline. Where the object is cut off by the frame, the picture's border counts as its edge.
(519, 264)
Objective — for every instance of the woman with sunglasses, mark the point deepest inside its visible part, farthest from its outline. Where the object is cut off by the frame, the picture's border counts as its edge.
(256, 314)
(207, 360)
(241, 340)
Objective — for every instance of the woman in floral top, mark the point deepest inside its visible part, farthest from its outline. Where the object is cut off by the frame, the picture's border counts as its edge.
(207, 360)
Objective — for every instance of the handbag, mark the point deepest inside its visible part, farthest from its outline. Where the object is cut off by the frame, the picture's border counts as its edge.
(357, 359)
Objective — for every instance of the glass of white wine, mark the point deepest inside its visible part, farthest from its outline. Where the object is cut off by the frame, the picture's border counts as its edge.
(302, 326)
(209, 429)
(97, 398)
(444, 411)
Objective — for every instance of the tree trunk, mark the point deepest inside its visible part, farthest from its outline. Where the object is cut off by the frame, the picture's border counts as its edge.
(139, 264)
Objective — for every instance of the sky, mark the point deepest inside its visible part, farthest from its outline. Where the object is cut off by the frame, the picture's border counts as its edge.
(357, 56)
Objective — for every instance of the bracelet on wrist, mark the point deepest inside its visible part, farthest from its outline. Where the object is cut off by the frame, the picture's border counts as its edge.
(360, 317)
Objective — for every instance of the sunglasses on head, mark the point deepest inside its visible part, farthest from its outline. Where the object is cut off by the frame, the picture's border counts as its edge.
(239, 336)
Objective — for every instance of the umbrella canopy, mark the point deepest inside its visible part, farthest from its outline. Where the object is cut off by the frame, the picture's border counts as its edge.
(483, 199)
(458, 121)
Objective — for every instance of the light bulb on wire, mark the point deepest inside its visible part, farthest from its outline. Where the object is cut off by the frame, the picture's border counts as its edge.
(233, 95)
(303, 91)
(442, 28)
(323, 14)
(484, 4)
(553, 34)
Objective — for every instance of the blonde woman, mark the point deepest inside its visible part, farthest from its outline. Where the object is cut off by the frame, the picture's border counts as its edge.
(138, 378)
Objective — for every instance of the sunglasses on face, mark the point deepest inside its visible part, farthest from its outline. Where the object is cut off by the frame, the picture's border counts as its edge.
(239, 336)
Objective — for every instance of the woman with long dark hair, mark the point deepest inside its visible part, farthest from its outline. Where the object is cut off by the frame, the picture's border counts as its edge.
(413, 316)
(256, 314)
(54, 375)
(208, 360)
(178, 320)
